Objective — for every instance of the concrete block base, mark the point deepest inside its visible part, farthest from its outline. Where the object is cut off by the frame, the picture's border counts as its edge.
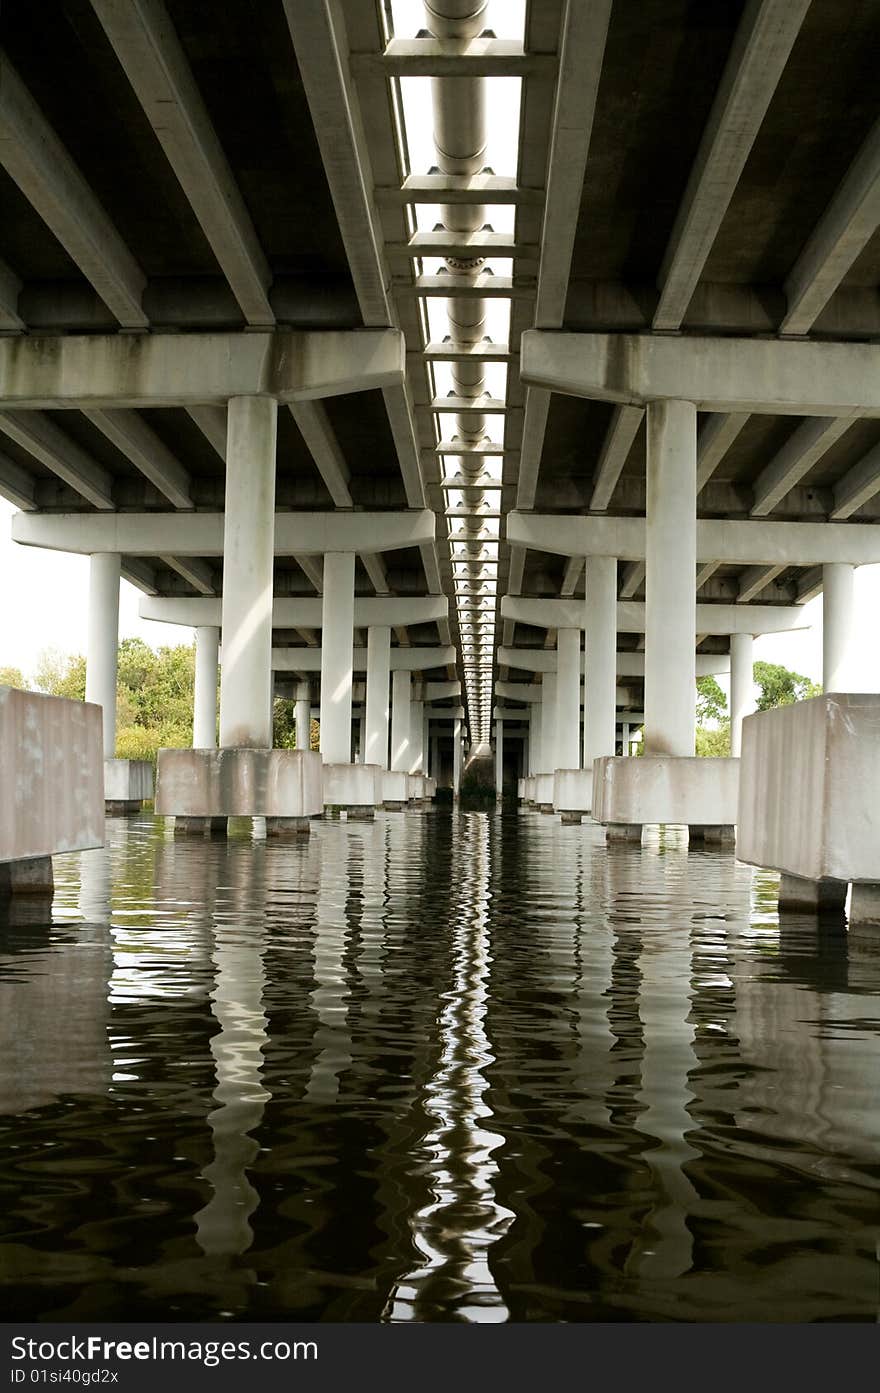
(393, 805)
(864, 909)
(573, 791)
(621, 833)
(571, 819)
(239, 783)
(797, 895)
(713, 836)
(394, 788)
(667, 789)
(352, 786)
(31, 876)
(543, 790)
(200, 826)
(288, 827)
(127, 784)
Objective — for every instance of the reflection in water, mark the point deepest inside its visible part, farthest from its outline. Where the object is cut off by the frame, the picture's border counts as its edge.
(444, 1066)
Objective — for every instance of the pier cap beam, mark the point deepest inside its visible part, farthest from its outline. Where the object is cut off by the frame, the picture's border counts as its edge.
(711, 619)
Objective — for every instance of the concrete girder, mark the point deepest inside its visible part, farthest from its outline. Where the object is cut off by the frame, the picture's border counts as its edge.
(754, 580)
(714, 440)
(10, 287)
(147, 46)
(843, 231)
(314, 426)
(39, 435)
(619, 437)
(800, 452)
(767, 376)
(201, 534)
(710, 619)
(41, 166)
(142, 446)
(857, 486)
(760, 50)
(118, 370)
(706, 571)
(573, 568)
(736, 542)
(16, 484)
(633, 578)
(292, 613)
(440, 691)
(469, 58)
(199, 575)
(628, 664)
(211, 421)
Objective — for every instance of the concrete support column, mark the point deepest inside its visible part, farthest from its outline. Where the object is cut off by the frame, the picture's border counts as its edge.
(534, 738)
(337, 645)
(416, 763)
(426, 742)
(600, 669)
(303, 716)
(742, 700)
(670, 566)
(456, 755)
(401, 692)
(624, 738)
(434, 765)
(838, 627)
(103, 641)
(205, 695)
(378, 685)
(568, 700)
(499, 756)
(248, 568)
(548, 724)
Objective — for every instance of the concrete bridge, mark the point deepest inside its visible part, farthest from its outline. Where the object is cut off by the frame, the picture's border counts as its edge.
(220, 375)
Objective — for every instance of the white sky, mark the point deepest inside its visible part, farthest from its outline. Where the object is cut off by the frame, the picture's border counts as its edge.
(46, 593)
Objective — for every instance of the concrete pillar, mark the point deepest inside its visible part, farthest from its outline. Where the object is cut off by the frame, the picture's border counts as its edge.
(456, 755)
(742, 700)
(600, 668)
(378, 684)
(838, 627)
(401, 749)
(568, 699)
(362, 739)
(535, 738)
(548, 724)
(434, 764)
(303, 716)
(624, 738)
(670, 566)
(103, 641)
(205, 695)
(417, 737)
(426, 742)
(248, 568)
(337, 644)
(499, 756)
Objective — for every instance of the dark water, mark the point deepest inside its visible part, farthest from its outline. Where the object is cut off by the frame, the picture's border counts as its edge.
(443, 1067)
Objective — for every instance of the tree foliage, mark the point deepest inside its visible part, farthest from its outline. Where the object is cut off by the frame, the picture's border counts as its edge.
(781, 687)
(13, 677)
(711, 701)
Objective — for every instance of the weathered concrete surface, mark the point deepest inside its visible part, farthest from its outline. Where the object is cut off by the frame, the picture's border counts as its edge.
(811, 896)
(808, 802)
(352, 785)
(528, 788)
(239, 783)
(544, 790)
(128, 780)
(394, 787)
(665, 789)
(51, 753)
(573, 790)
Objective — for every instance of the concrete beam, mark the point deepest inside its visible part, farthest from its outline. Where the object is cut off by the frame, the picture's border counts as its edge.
(142, 446)
(440, 691)
(197, 573)
(628, 664)
(858, 485)
(39, 435)
(147, 46)
(470, 189)
(471, 58)
(16, 484)
(117, 370)
(754, 580)
(760, 50)
(314, 426)
(35, 158)
(711, 619)
(293, 613)
(804, 448)
(843, 231)
(621, 433)
(201, 534)
(714, 440)
(633, 579)
(402, 659)
(573, 568)
(736, 542)
(211, 421)
(10, 287)
(769, 376)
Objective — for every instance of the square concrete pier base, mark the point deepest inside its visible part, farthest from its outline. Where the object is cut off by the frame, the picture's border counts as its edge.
(800, 896)
(352, 788)
(394, 789)
(200, 826)
(573, 793)
(624, 833)
(219, 784)
(32, 877)
(668, 789)
(128, 783)
(288, 828)
(713, 836)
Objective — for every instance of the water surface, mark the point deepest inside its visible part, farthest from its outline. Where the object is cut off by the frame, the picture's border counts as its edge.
(446, 1066)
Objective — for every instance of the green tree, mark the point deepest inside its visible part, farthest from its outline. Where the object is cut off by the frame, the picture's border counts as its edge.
(715, 743)
(781, 687)
(711, 701)
(13, 677)
(61, 674)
